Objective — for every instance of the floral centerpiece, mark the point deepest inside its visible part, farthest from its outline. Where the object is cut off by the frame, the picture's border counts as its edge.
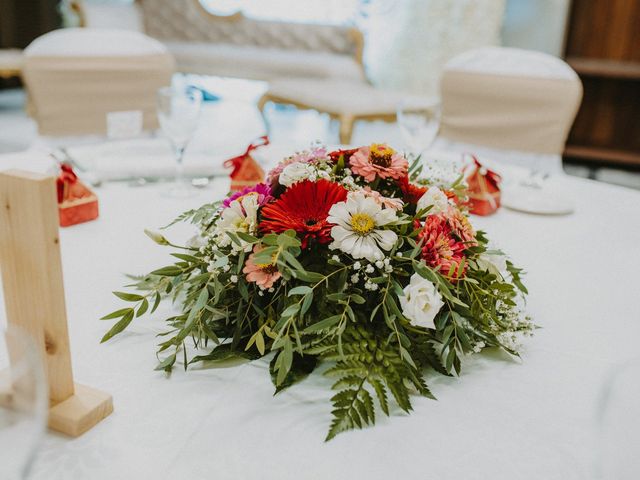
(346, 259)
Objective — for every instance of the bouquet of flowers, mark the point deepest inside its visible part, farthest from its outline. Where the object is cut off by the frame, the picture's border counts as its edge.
(344, 259)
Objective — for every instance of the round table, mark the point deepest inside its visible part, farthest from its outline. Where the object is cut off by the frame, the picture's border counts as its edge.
(504, 418)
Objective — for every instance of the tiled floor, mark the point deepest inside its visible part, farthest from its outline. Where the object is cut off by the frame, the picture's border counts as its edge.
(236, 118)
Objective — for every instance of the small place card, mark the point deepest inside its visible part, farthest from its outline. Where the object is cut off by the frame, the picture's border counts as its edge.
(124, 124)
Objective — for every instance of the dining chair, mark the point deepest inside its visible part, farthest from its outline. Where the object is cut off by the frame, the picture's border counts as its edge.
(513, 105)
(75, 77)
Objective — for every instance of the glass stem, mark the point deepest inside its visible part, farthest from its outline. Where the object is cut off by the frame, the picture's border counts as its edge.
(179, 154)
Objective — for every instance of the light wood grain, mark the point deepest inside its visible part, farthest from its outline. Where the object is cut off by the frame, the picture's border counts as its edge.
(34, 294)
(81, 411)
(32, 271)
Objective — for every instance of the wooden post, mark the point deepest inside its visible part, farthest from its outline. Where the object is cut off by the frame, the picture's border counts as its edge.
(34, 294)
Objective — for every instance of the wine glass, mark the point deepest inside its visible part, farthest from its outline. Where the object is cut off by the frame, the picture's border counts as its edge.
(23, 402)
(178, 113)
(419, 125)
(618, 424)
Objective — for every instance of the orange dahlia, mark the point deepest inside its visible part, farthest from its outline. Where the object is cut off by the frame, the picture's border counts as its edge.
(304, 207)
(461, 227)
(440, 248)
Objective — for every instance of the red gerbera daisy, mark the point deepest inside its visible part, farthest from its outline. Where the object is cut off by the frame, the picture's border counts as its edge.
(304, 207)
(440, 247)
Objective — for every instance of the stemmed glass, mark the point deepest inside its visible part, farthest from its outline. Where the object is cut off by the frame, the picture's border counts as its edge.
(23, 402)
(418, 125)
(178, 114)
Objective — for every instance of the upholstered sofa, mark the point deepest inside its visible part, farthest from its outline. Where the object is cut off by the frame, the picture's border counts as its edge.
(234, 45)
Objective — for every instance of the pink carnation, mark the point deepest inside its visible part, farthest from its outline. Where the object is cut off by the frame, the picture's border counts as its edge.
(306, 156)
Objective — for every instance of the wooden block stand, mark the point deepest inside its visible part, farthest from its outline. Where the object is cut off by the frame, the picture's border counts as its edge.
(34, 294)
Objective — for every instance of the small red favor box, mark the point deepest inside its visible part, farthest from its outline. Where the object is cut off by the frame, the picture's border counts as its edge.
(246, 171)
(484, 189)
(76, 203)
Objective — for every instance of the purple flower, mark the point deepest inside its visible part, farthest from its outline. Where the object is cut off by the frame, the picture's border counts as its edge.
(263, 191)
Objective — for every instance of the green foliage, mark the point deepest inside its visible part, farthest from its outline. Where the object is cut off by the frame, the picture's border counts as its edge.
(317, 314)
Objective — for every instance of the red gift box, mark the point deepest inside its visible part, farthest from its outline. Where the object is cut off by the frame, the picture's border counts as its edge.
(246, 171)
(484, 189)
(76, 202)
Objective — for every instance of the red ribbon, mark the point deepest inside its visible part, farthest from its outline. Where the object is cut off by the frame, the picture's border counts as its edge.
(67, 177)
(236, 162)
(490, 175)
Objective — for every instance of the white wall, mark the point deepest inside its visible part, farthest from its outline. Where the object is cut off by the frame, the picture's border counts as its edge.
(536, 24)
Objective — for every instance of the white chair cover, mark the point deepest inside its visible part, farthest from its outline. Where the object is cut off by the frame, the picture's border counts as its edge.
(76, 76)
(519, 103)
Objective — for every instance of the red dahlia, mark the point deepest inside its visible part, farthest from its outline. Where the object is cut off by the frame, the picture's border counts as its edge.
(304, 207)
(440, 247)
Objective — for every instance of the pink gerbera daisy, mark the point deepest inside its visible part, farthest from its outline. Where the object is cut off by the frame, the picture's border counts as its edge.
(378, 160)
(262, 274)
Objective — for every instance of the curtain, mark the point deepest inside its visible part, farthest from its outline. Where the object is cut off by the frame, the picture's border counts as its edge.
(21, 21)
(409, 41)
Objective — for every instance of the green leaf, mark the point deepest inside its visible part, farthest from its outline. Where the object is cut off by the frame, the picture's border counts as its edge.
(167, 363)
(117, 314)
(301, 290)
(247, 238)
(187, 258)
(288, 240)
(284, 362)
(128, 297)
(306, 303)
(308, 276)
(323, 324)
(223, 353)
(144, 306)
(291, 310)
(292, 260)
(118, 327)
(170, 271)
(301, 367)
(156, 302)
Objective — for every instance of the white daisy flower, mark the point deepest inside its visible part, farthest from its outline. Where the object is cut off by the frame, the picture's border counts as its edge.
(240, 216)
(357, 231)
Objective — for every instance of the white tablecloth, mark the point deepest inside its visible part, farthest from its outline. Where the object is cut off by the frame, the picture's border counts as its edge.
(503, 419)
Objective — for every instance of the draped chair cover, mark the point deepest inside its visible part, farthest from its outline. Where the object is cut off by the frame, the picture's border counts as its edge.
(510, 100)
(74, 77)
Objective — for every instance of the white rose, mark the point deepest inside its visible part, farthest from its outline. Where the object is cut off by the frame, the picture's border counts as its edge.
(296, 172)
(434, 198)
(421, 302)
(493, 262)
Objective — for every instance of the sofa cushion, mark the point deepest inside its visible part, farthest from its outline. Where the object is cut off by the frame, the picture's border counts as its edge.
(343, 98)
(261, 63)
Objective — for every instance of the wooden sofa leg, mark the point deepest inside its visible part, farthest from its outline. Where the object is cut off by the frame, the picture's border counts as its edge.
(261, 104)
(346, 128)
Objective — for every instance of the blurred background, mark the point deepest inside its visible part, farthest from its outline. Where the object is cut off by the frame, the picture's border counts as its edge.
(406, 43)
